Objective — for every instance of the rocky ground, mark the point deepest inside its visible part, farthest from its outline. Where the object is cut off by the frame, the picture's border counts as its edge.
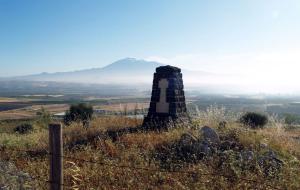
(207, 144)
(203, 155)
(11, 178)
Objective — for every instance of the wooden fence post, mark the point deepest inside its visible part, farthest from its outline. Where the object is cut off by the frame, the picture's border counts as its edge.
(56, 156)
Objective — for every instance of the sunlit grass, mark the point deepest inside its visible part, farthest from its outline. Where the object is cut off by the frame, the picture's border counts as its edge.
(136, 150)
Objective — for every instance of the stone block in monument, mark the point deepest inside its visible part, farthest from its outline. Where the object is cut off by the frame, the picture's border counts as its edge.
(167, 106)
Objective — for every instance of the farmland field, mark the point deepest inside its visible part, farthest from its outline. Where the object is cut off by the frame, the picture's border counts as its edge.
(20, 107)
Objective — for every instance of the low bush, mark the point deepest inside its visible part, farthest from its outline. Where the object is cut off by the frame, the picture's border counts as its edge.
(44, 118)
(292, 119)
(79, 113)
(254, 120)
(24, 128)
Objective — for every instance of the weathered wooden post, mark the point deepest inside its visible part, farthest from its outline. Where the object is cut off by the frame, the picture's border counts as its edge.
(56, 156)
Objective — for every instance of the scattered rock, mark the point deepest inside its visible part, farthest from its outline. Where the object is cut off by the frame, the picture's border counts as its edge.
(11, 178)
(247, 156)
(228, 145)
(187, 139)
(210, 135)
(270, 163)
(222, 125)
(232, 155)
(186, 148)
(205, 149)
(189, 148)
(263, 145)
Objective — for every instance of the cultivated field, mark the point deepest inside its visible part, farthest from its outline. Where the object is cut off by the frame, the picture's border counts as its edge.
(27, 107)
(32, 111)
(119, 107)
(6, 100)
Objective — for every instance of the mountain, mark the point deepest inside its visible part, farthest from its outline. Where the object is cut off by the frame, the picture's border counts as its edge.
(120, 72)
(125, 76)
(124, 71)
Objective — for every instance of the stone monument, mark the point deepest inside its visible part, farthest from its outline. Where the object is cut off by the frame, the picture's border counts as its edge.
(167, 106)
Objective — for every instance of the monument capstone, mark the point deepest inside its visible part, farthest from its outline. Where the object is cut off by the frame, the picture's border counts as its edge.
(167, 106)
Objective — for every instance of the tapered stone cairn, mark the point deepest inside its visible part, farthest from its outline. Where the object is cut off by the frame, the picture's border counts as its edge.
(167, 107)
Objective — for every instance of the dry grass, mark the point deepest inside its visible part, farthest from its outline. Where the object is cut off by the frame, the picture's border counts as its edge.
(136, 150)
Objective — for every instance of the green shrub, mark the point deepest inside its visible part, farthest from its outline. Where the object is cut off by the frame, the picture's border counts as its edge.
(79, 113)
(23, 128)
(44, 118)
(292, 119)
(254, 120)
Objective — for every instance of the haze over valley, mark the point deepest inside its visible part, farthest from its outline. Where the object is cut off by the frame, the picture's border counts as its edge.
(138, 74)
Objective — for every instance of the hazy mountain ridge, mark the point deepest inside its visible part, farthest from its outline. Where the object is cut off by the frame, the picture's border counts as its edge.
(129, 73)
(124, 71)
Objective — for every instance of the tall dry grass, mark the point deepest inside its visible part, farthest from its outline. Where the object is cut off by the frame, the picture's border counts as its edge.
(128, 162)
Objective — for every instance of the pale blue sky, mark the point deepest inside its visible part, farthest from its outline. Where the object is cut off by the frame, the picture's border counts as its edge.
(212, 35)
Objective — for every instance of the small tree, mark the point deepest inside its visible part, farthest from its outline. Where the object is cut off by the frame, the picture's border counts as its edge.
(125, 111)
(136, 109)
(79, 113)
(44, 118)
(254, 120)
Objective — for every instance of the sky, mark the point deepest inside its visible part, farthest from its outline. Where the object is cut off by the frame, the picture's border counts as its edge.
(258, 38)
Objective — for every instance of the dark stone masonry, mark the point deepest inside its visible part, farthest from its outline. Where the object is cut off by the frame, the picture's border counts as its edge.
(167, 106)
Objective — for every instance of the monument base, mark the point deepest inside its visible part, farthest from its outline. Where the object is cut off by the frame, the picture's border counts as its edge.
(167, 107)
(165, 122)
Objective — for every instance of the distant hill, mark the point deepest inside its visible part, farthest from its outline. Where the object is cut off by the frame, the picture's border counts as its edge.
(125, 71)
